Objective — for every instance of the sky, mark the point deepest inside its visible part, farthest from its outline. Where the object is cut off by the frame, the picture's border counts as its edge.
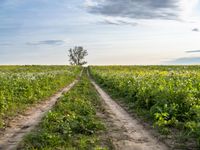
(125, 32)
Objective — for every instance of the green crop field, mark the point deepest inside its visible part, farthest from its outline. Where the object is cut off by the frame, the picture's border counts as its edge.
(168, 95)
(72, 124)
(21, 86)
(167, 98)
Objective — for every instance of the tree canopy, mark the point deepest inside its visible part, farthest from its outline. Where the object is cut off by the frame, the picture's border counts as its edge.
(77, 55)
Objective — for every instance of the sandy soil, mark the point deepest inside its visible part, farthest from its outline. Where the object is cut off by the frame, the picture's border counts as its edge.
(21, 125)
(126, 133)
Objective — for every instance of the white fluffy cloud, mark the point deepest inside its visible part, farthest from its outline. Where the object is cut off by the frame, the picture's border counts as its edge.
(187, 9)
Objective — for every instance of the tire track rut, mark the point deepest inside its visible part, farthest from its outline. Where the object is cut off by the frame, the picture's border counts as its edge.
(126, 132)
(23, 124)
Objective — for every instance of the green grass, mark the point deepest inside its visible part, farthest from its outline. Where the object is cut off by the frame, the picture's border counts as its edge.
(22, 86)
(72, 124)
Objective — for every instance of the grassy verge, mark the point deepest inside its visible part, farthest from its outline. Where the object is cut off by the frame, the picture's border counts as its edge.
(72, 124)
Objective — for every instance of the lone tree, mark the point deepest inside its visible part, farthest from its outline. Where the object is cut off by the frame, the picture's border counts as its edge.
(77, 55)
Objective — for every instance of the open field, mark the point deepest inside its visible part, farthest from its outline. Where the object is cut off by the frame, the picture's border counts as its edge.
(150, 107)
(22, 86)
(169, 96)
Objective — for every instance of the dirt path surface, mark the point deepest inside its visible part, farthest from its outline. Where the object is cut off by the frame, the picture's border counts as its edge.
(23, 124)
(126, 133)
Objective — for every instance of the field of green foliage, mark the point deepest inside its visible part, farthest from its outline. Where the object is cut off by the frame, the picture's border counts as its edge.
(168, 95)
(72, 123)
(21, 86)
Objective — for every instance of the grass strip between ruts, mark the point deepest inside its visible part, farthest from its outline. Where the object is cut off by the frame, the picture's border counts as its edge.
(71, 124)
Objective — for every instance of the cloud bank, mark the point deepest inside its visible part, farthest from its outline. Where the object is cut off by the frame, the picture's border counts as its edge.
(193, 51)
(47, 42)
(185, 60)
(142, 9)
(118, 22)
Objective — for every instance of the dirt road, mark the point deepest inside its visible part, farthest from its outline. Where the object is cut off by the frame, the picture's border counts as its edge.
(126, 132)
(23, 124)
